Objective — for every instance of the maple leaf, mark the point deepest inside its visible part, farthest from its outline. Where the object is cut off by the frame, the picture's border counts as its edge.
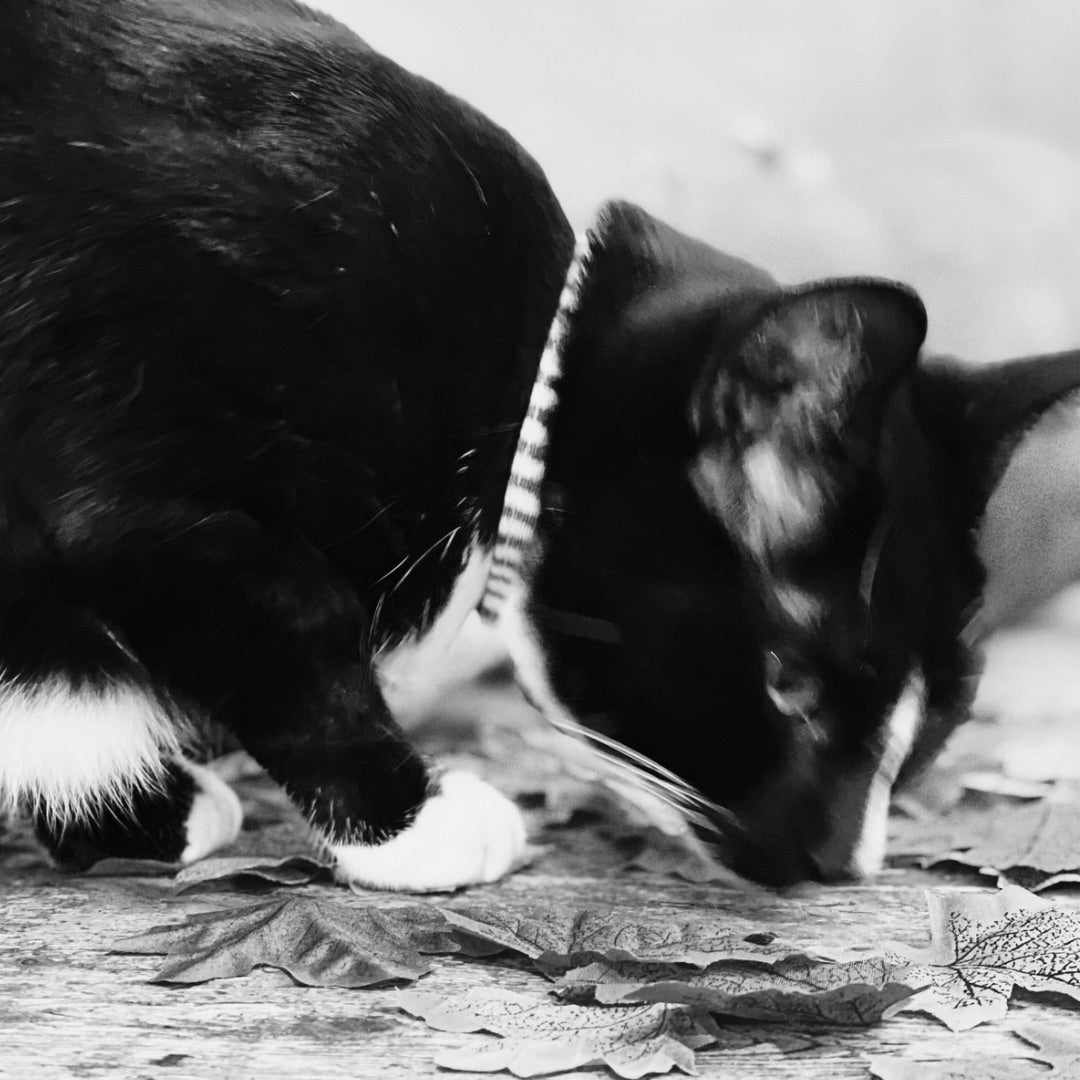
(796, 989)
(244, 870)
(1034, 846)
(983, 945)
(556, 938)
(543, 1037)
(319, 943)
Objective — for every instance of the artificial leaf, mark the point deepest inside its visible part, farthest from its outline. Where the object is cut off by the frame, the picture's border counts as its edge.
(319, 943)
(542, 1037)
(797, 989)
(678, 856)
(925, 837)
(991, 782)
(557, 937)
(983, 945)
(252, 870)
(1034, 846)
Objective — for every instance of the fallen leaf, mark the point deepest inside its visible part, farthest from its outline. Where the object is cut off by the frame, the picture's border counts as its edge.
(924, 838)
(252, 869)
(541, 1037)
(319, 943)
(557, 938)
(983, 945)
(799, 989)
(1034, 845)
(989, 782)
(678, 856)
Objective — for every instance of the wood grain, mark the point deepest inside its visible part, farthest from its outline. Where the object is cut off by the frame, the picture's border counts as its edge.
(69, 1008)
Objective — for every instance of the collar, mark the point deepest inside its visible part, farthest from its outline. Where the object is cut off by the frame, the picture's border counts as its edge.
(521, 503)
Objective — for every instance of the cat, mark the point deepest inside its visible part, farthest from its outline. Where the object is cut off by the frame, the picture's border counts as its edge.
(300, 364)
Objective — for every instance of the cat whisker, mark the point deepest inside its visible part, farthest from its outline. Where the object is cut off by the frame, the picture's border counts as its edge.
(650, 776)
(447, 540)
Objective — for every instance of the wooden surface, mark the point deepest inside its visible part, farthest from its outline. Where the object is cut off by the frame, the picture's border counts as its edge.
(71, 1008)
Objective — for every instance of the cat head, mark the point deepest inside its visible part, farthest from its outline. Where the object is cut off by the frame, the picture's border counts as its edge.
(759, 541)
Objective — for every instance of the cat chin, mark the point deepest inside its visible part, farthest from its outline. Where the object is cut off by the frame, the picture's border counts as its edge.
(466, 834)
(215, 817)
(73, 751)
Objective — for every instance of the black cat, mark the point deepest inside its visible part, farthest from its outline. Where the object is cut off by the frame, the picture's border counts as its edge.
(272, 312)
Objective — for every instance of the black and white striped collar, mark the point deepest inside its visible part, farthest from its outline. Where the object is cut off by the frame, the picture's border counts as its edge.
(521, 503)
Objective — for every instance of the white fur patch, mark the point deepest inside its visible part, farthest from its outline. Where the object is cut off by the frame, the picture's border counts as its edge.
(215, 817)
(770, 504)
(410, 670)
(802, 607)
(1029, 539)
(467, 834)
(860, 811)
(784, 500)
(77, 751)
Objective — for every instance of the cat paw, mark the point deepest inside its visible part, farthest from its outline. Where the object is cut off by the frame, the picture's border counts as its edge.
(215, 817)
(466, 834)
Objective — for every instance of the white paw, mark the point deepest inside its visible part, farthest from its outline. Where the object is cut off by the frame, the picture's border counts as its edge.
(215, 817)
(467, 834)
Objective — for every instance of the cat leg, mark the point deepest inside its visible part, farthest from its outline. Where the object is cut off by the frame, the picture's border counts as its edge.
(388, 822)
(185, 814)
(280, 660)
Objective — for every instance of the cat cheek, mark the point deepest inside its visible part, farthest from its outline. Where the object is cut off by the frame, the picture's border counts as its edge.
(467, 834)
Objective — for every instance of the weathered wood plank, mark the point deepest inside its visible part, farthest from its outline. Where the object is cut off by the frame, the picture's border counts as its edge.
(70, 1008)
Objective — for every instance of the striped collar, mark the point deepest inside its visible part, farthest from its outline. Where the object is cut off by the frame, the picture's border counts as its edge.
(521, 503)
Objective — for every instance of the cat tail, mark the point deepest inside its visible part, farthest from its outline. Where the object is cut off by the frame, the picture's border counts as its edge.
(82, 728)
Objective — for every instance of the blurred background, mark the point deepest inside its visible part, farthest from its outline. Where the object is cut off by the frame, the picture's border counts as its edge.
(935, 141)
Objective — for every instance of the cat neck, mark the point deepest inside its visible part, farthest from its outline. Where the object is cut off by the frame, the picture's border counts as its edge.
(521, 503)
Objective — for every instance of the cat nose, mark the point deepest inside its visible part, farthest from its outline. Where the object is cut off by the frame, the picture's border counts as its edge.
(780, 829)
(775, 864)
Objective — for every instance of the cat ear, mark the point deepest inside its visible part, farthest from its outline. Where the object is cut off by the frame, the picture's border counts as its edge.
(1012, 433)
(790, 404)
